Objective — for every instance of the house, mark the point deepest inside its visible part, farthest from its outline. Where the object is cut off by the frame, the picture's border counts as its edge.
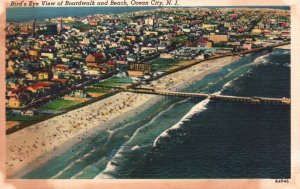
(93, 23)
(34, 54)
(27, 113)
(130, 38)
(148, 49)
(10, 66)
(95, 58)
(247, 46)
(208, 27)
(256, 31)
(60, 81)
(209, 44)
(217, 38)
(14, 102)
(151, 33)
(77, 95)
(16, 98)
(59, 69)
(11, 83)
(166, 55)
(47, 55)
(95, 70)
(42, 75)
(111, 65)
(39, 86)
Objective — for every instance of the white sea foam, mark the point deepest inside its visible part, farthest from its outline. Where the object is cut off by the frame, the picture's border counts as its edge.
(103, 176)
(105, 172)
(136, 147)
(201, 106)
(62, 171)
(154, 119)
(88, 167)
(286, 52)
(80, 173)
(110, 166)
(228, 84)
(73, 163)
(261, 59)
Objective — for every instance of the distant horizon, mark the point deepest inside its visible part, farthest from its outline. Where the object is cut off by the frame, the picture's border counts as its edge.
(24, 14)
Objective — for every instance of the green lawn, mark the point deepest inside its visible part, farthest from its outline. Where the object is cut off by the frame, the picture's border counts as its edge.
(97, 90)
(23, 118)
(114, 82)
(79, 25)
(181, 37)
(160, 64)
(59, 104)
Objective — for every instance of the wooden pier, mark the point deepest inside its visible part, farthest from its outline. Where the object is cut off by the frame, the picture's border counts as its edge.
(252, 100)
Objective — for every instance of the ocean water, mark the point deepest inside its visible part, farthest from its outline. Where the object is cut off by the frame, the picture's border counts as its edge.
(21, 14)
(196, 138)
(42, 13)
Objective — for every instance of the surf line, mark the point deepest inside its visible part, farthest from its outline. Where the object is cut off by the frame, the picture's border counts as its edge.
(110, 167)
(201, 106)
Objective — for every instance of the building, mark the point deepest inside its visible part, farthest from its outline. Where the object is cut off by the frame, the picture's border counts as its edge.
(14, 102)
(33, 29)
(256, 31)
(47, 55)
(92, 69)
(139, 70)
(209, 27)
(166, 55)
(40, 86)
(27, 113)
(149, 21)
(34, 54)
(59, 69)
(42, 75)
(209, 44)
(16, 98)
(51, 29)
(218, 38)
(95, 58)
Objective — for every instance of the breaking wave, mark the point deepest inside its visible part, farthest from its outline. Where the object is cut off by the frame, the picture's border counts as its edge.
(201, 106)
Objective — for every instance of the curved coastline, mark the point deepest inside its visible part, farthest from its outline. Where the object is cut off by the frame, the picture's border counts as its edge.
(33, 156)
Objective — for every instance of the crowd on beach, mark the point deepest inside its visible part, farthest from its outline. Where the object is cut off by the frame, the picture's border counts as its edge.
(47, 137)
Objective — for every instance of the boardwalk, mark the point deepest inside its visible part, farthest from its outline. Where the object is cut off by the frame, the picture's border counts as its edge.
(252, 100)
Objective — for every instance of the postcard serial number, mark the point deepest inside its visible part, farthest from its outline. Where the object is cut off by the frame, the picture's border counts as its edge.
(281, 180)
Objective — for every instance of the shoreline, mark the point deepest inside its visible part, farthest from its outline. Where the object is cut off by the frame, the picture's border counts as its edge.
(287, 46)
(105, 127)
(37, 156)
(189, 64)
(98, 127)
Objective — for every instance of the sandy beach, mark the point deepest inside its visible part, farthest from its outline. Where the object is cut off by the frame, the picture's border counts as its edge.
(29, 148)
(284, 47)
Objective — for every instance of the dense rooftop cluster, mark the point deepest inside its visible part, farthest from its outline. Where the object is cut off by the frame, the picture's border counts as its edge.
(48, 57)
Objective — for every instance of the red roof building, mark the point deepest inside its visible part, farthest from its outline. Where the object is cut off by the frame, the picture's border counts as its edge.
(95, 58)
(39, 86)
